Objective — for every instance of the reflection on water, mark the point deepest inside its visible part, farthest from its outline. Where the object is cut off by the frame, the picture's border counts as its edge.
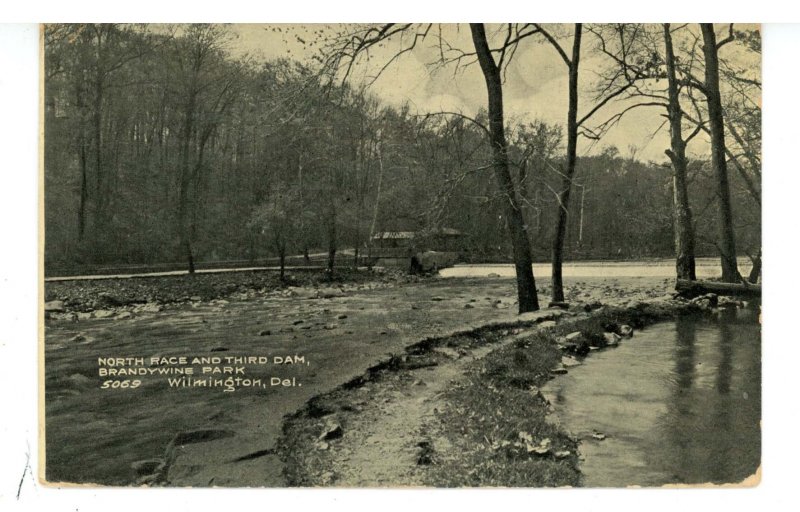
(679, 403)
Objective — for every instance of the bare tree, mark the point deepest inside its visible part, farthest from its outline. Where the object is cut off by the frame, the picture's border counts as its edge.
(573, 126)
(343, 54)
(207, 90)
(684, 232)
(643, 67)
(730, 271)
(518, 231)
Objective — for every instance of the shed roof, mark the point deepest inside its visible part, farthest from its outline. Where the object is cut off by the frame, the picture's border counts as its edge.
(394, 235)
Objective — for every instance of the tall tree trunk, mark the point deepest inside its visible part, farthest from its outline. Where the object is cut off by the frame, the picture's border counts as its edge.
(97, 125)
(84, 190)
(184, 230)
(727, 245)
(684, 234)
(526, 285)
(82, 158)
(377, 194)
(569, 172)
(331, 239)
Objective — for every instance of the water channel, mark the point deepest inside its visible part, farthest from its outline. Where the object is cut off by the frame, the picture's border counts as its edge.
(679, 403)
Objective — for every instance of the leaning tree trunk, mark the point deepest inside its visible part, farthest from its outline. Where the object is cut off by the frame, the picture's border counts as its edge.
(569, 172)
(727, 245)
(526, 285)
(684, 233)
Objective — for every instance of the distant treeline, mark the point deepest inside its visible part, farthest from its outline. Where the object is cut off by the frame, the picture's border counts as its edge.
(162, 146)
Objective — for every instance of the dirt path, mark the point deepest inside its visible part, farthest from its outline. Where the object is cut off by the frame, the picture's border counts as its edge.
(387, 438)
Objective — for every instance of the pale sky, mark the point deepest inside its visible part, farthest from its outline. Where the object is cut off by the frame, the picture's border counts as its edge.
(535, 84)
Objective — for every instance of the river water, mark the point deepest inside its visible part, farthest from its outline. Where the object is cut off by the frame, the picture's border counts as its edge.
(706, 268)
(679, 403)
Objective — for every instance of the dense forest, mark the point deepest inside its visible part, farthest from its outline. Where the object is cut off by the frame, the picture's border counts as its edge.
(162, 145)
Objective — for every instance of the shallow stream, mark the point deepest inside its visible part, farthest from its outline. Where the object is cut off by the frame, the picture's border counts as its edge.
(679, 403)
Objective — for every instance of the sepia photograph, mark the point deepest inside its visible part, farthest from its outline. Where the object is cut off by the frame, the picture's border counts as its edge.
(401, 255)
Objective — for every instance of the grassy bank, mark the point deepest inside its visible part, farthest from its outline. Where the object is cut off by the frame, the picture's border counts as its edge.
(486, 427)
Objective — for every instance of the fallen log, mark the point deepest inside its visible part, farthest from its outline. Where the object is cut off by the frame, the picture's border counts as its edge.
(694, 288)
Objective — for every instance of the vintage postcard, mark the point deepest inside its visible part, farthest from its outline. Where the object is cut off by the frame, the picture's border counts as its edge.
(401, 255)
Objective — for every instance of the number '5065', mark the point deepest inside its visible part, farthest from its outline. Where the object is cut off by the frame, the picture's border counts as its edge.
(121, 384)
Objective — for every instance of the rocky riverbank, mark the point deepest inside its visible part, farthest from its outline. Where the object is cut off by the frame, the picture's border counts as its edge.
(126, 297)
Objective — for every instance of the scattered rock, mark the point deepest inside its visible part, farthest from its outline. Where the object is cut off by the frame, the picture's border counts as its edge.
(150, 308)
(574, 336)
(707, 301)
(437, 299)
(330, 327)
(543, 448)
(626, 331)
(569, 362)
(729, 302)
(103, 313)
(195, 298)
(448, 352)
(558, 371)
(598, 435)
(124, 315)
(331, 430)
(547, 324)
(84, 316)
(563, 454)
(54, 305)
(265, 332)
(341, 317)
(611, 339)
(558, 304)
(468, 306)
(297, 322)
(493, 274)
(78, 338)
